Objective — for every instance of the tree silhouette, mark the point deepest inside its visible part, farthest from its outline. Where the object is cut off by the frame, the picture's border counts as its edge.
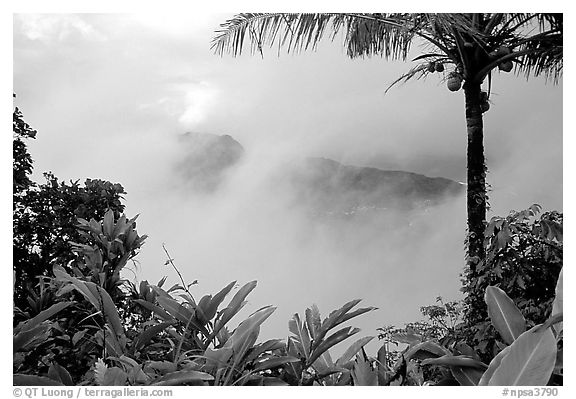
(463, 48)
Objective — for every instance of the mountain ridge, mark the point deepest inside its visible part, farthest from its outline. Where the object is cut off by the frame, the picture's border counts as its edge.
(323, 184)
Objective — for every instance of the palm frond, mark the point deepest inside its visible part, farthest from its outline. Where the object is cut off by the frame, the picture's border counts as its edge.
(535, 38)
(388, 35)
(418, 72)
(538, 39)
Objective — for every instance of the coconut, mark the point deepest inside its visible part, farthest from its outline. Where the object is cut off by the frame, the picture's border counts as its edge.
(506, 66)
(454, 82)
(484, 106)
(439, 67)
(431, 67)
(500, 52)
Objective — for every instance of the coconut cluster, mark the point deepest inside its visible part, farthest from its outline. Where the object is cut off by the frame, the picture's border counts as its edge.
(500, 52)
(435, 67)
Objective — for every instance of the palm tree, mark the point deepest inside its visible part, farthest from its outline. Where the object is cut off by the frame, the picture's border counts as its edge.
(463, 48)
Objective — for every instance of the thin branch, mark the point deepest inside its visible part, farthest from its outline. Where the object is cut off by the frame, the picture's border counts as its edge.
(171, 261)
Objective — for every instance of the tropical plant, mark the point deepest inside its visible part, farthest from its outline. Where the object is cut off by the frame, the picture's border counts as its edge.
(76, 337)
(528, 356)
(524, 256)
(310, 343)
(195, 344)
(92, 327)
(45, 214)
(462, 48)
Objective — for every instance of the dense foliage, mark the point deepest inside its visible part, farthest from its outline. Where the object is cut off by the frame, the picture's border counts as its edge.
(45, 214)
(81, 323)
(524, 257)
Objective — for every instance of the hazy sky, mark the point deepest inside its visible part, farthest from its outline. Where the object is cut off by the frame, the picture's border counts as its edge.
(110, 93)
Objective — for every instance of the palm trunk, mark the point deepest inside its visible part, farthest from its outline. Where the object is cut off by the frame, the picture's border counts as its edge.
(476, 179)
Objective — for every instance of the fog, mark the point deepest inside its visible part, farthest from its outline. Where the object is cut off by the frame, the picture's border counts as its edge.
(251, 228)
(112, 95)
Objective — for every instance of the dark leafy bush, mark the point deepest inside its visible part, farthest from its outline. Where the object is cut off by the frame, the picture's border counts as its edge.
(524, 255)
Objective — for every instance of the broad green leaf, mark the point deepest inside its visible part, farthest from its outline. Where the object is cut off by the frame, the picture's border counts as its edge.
(313, 321)
(239, 353)
(552, 320)
(557, 306)
(108, 223)
(465, 349)
(355, 313)
(176, 309)
(42, 316)
(200, 311)
(248, 326)
(125, 360)
(181, 313)
(407, 338)
(362, 372)
(217, 300)
(120, 227)
(59, 373)
(156, 309)
(294, 369)
(149, 333)
(24, 338)
(94, 226)
(273, 362)
(324, 366)
(530, 360)
(257, 350)
(33, 380)
(466, 376)
(456, 361)
(353, 350)
(223, 335)
(114, 346)
(236, 303)
(115, 376)
(332, 340)
(161, 366)
(494, 364)
(217, 358)
(335, 317)
(426, 350)
(97, 296)
(184, 377)
(273, 381)
(161, 282)
(504, 314)
(381, 366)
(301, 335)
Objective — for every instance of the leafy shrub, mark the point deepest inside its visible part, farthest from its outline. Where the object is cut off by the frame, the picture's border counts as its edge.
(523, 258)
(45, 214)
(83, 324)
(530, 356)
(86, 335)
